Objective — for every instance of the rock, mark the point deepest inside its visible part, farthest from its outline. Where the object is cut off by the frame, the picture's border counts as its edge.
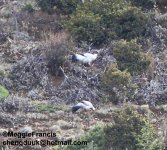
(5, 12)
(26, 129)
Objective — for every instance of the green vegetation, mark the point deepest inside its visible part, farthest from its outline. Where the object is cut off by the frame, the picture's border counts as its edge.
(115, 81)
(95, 137)
(145, 4)
(46, 5)
(130, 131)
(29, 8)
(43, 107)
(130, 57)
(66, 6)
(86, 26)
(3, 92)
(100, 21)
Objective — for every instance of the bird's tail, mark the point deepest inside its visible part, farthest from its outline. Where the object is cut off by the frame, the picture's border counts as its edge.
(75, 108)
(74, 58)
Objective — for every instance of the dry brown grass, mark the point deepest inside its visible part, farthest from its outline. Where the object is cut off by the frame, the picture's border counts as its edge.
(55, 38)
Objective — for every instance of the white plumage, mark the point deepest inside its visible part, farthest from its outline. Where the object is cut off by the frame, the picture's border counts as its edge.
(84, 105)
(86, 58)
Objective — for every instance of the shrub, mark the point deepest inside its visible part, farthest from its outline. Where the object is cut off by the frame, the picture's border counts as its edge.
(131, 131)
(66, 6)
(86, 26)
(46, 5)
(95, 137)
(130, 57)
(55, 58)
(3, 92)
(145, 4)
(29, 8)
(55, 51)
(116, 83)
(130, 23)
(102, 21)
(43, 107)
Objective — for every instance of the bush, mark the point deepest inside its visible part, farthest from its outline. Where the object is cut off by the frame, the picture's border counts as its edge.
(46, 5)
(116, 83)
(3, 93)
(86, 26)
(131, 131)
(55, 52)
(145, 4)
(130, 57)
(66, 6)
(43, 107)
(29, 8)
(55, 58)
(96, 136)
(100, 21)
(130, 23)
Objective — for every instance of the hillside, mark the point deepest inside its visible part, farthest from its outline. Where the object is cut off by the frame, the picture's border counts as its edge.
(127, 83)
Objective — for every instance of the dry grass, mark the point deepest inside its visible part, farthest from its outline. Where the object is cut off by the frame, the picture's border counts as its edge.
(55, 38)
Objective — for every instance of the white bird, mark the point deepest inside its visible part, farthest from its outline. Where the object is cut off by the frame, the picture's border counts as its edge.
(84, 105)
(86, 58)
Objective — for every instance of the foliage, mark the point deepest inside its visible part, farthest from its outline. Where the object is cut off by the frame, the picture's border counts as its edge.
(146, 4)
(100, 21)
(130, 57)
(3, 92)
(131, 131)
(116, 83)
(130, 23)
(86, 26)
(55, 58)
(66, 6)
(29, 8)
(43, 107)
(95, 137)
(46, 5)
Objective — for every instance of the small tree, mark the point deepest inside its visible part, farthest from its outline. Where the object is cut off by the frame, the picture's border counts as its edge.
(145, 4)
(46, 5)
(100, 21)
(66, 6)
(116, 83)
(56, 49)
(95, 139)
(130, 57)
(86, 26)
(131, 131)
